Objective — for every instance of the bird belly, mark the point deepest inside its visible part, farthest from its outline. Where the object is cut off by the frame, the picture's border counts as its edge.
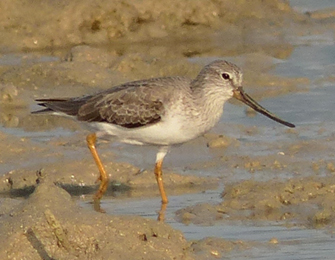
(167, 132)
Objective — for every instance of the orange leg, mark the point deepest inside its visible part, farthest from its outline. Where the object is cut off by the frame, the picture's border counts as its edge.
(159, 179)
(103, 178)
(161, 213)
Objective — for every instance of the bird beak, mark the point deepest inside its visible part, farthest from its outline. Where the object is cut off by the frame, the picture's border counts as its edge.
(246, 99)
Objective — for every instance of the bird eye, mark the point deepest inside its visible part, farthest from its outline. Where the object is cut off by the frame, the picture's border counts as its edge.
(225, 76)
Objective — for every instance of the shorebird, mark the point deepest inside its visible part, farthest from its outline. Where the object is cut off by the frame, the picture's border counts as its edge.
(159, 111)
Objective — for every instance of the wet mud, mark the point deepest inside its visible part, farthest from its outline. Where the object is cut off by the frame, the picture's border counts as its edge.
(266, 174)
(298, 201)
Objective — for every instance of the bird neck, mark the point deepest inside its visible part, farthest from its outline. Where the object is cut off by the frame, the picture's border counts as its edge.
(209, 104)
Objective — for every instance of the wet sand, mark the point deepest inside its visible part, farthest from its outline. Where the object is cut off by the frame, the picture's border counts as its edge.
(261, 173)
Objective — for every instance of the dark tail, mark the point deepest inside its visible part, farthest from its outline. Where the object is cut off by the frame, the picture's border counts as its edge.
(66, 106)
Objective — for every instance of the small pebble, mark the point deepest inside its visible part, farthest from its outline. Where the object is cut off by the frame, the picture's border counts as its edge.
(273, 241)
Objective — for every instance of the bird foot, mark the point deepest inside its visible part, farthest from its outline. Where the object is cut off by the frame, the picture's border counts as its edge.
(97, 205)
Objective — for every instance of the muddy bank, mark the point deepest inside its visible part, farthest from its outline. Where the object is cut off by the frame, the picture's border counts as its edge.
(299, 201)
(40, 24)
(50, 225)
(85, 46)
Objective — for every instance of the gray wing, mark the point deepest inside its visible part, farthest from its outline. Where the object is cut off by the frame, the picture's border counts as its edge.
(130, 105)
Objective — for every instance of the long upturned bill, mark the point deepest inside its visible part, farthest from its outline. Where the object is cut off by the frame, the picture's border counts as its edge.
(246, 99)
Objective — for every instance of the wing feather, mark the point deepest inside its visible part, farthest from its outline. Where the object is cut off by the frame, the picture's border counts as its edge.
(129, 106)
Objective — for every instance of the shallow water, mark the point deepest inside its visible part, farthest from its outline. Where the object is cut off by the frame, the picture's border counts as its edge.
(311, 5)
(310, 108)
